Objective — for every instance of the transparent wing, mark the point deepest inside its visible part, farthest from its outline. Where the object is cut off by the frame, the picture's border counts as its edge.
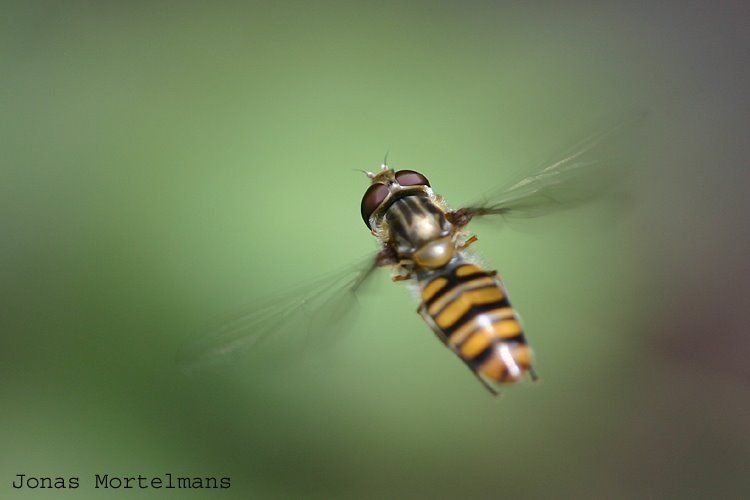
(312, 311)
(582, 173)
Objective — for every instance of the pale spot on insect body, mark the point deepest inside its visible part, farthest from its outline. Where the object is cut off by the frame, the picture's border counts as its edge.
(485, 323)
(426, 227)
(504, 351)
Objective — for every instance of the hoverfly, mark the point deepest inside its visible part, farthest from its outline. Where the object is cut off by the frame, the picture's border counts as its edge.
(425, 242)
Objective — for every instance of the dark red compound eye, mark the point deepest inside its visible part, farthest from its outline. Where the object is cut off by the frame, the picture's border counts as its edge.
(372, 199)
(411, 178)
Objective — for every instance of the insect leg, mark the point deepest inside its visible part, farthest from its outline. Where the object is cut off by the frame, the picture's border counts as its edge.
(487, 386)
(468, 243)
(402, 277)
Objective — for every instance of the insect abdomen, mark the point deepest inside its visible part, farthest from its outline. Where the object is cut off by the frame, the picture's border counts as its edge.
(469, 310)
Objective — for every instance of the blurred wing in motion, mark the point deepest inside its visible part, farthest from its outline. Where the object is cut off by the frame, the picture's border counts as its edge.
(583, 173)
(313, 310)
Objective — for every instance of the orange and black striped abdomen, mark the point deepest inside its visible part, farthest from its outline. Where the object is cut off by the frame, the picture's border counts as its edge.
(469, 310)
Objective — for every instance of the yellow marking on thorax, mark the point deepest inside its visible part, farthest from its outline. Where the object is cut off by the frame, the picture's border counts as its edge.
(467, 269)
(463, 303)
(434, 287)
(460, 334)
(456, 291)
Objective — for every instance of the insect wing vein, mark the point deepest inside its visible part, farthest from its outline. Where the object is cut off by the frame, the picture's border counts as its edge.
(309, 310)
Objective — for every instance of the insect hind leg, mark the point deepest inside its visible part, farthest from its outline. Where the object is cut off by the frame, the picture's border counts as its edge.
(486, 384)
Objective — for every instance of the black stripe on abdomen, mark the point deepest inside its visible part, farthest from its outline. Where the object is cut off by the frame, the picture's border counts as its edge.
(453, 282)
(480, 358)
(472, 312)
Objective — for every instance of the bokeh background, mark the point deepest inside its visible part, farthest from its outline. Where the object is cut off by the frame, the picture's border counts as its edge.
(164, 163)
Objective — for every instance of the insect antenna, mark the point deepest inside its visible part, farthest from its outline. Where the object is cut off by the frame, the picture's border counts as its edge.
(368, 174)
(384, 165)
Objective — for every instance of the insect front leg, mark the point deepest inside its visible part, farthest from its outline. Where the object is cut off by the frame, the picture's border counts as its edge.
(388, 257)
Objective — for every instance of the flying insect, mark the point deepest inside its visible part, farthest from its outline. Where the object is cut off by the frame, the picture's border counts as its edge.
(426, 243)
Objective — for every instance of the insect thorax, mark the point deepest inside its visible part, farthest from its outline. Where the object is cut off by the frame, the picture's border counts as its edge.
(413, 222)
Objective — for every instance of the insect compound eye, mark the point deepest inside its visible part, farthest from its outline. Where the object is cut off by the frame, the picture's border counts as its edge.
(411, 178)
(372, 199)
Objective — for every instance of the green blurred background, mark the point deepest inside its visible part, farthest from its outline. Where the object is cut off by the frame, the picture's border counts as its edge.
(163, 163)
